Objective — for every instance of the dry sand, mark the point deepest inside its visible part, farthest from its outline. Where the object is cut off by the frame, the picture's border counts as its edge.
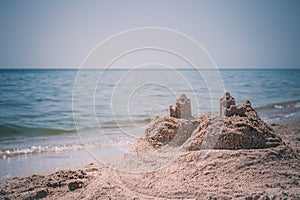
(265, 173)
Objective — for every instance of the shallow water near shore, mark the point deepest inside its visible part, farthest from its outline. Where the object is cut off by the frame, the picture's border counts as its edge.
(37, 124)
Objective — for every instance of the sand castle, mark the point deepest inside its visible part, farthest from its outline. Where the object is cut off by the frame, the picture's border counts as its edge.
(235, 127)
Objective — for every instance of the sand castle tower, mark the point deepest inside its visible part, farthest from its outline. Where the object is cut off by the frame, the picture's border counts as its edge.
(228, 107)
(182, 108)
(225, 102)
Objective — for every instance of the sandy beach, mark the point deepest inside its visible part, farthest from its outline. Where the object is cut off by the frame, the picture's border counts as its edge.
(265, 173)
(128, 100)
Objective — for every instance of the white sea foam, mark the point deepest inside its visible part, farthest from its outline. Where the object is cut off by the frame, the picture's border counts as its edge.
(289, 115)
(38, 149)
(297, 105)
(278, 106)
(4, 154)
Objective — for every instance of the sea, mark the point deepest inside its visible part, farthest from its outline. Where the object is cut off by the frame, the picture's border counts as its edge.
(51, 119)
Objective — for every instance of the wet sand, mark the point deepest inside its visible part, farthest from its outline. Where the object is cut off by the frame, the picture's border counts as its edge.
(270, 173)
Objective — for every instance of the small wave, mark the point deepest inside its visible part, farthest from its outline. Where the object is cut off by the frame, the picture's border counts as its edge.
(6, 153)
(12, 132)
(278, 112)
(289, 115)
(278, 106)
(37, 149)
(289, 104)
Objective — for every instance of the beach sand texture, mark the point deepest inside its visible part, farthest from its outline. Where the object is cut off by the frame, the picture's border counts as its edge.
(248, 160)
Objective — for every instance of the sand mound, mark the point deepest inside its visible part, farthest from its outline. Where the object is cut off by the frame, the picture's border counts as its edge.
(43, 186)
(239, 127)
(271, 173)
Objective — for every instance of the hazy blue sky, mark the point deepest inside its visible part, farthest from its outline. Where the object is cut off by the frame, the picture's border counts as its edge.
(236, 33)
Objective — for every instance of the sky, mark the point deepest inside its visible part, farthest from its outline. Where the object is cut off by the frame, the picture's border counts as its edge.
(236, 33)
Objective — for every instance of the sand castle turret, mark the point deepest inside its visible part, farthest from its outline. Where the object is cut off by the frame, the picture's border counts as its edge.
(182, 109)
(228, 107)
(225, 102)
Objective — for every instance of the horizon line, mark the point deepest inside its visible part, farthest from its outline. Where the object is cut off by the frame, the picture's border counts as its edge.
(126, 68)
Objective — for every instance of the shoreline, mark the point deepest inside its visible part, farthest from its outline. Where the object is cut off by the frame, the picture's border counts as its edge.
(222, 174)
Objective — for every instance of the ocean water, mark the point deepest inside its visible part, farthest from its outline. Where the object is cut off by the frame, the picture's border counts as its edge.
(58, 115)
